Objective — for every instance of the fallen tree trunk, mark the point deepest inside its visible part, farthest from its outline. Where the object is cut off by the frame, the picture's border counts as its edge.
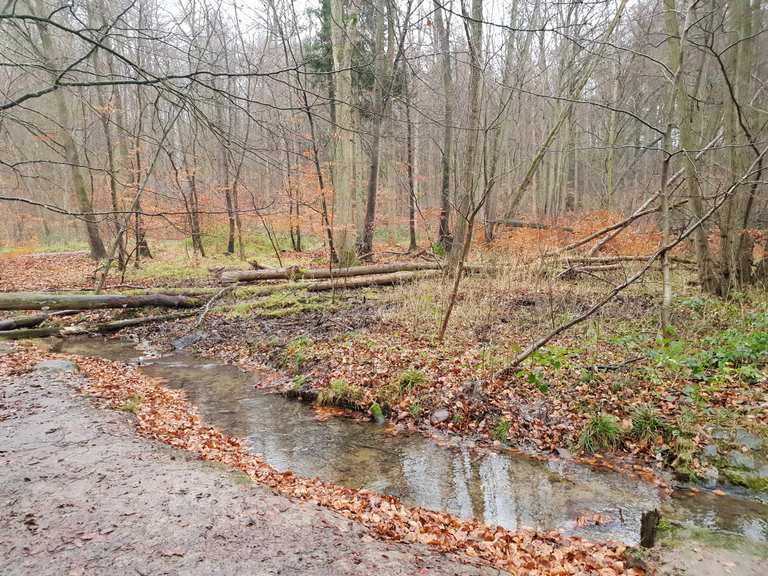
(364, 282)
(614, 259)
(523, 224)
(576, 270)
(81, 330)
(296, 273)
(31, 321)
(52, 301)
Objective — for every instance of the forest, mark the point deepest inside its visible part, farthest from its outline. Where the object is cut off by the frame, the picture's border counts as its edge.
(406, 286)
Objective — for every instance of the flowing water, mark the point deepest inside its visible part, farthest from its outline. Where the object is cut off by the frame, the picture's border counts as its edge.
(508, 490)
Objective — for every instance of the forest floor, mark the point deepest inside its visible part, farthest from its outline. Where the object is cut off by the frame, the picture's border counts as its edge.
(610, 391)
(691, 406)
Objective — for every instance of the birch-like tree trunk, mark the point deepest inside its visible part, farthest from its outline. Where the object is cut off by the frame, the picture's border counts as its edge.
(343, 22)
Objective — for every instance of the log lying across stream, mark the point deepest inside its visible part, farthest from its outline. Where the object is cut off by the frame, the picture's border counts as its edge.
(46, 301)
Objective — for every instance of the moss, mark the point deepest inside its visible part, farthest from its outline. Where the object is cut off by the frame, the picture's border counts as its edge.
(679, 535)
(280, 304)
(745, 479)
(377, 412)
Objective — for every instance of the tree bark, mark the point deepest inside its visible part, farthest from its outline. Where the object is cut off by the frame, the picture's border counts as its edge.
(343, 22)
(71, 152)
(443, 41)
(296, 273)
(52, 301)
(474, 31)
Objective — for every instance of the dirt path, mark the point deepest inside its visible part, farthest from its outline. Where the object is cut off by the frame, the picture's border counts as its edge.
(80, 494)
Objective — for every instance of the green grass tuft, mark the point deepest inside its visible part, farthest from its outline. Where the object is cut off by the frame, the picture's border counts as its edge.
(646, 424)
(409, 379)
(602, 432)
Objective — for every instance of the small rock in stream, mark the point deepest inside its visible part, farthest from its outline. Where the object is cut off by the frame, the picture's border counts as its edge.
(710, 477)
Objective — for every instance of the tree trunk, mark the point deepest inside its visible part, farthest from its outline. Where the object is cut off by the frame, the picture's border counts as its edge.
(443, 41)
(51, 301)
(474, 30)
(411, 163)
(296, 273)
(343, 22)
(71, 153)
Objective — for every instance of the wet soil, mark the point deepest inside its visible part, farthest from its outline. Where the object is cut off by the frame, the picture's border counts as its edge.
(80, 493)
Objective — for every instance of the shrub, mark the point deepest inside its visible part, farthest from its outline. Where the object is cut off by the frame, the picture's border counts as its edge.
(602, 432)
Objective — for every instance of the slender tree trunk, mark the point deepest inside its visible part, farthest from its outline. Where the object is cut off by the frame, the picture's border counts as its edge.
(71, 153)
(343, 22)
(411, 163)
(446, 154)
(474, 31)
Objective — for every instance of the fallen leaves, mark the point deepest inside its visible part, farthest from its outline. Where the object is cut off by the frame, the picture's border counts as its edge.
(165, 415)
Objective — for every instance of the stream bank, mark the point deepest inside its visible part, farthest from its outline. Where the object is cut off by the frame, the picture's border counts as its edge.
(446, 474)
(82, 494)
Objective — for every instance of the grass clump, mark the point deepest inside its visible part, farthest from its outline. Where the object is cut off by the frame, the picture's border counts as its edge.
(132, 404)
(501, 430)
(299, 381)
(602, 432)
(646, 424)
(340, 393)
(409, 379)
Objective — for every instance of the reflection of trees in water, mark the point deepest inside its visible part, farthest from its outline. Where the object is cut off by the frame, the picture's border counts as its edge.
(518, 493)
(427, 475)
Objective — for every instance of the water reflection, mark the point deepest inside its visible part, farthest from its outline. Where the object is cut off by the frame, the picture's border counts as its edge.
(499, 489)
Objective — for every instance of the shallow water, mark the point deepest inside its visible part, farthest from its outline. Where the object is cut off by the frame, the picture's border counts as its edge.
(508, 490)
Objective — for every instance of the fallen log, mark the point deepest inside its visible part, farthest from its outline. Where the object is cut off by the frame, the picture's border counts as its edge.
(82, 330)
(576, 270)
(523, 224)
(364, 282)
(31, 321)
(53, 301)
(296, 273)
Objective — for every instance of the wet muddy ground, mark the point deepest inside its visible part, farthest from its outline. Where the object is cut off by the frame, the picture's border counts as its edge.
(80, 493)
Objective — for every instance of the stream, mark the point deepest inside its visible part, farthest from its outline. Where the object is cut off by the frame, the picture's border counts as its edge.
(508, 490)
